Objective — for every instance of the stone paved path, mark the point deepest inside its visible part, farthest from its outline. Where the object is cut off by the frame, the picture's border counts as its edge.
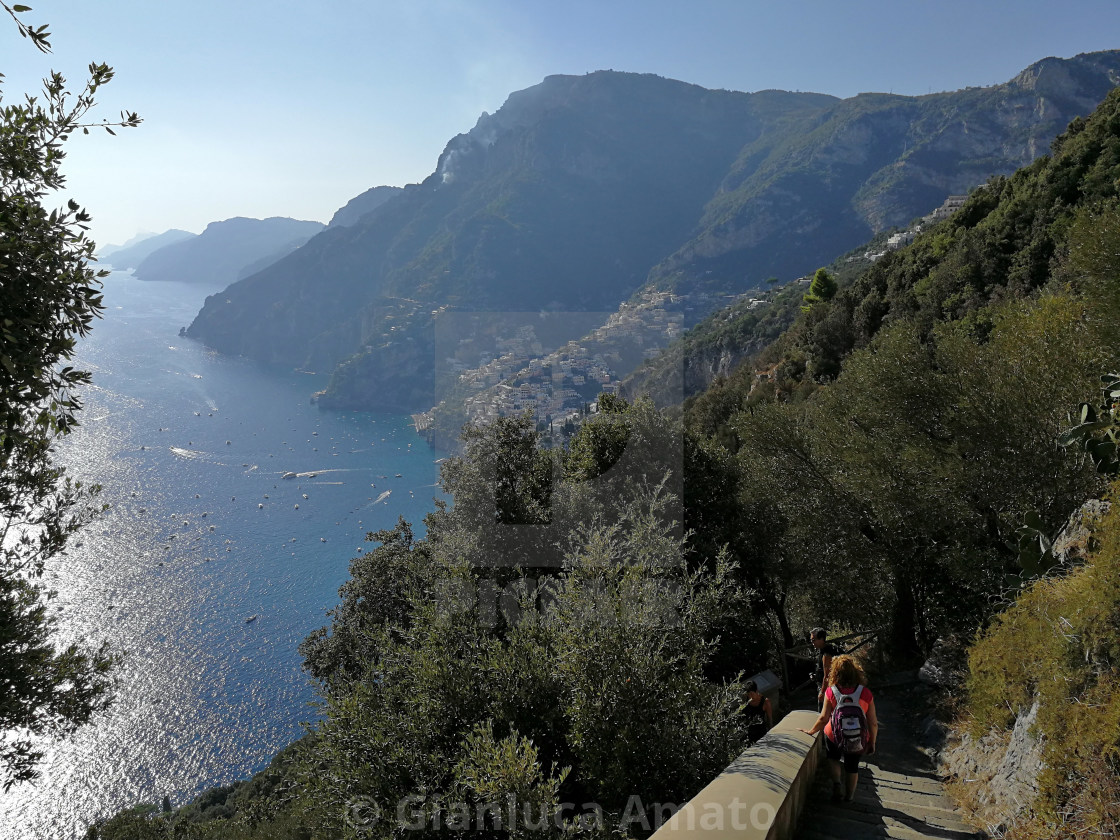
(899, 794)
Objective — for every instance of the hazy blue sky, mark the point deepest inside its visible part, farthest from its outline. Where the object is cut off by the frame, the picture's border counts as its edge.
(278, 108)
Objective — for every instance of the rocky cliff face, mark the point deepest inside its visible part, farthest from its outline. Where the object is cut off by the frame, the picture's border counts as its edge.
(995, 777)
(580, 190)
(686, 370)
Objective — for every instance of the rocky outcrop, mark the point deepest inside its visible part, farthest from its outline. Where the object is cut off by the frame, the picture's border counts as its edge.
(392, 376)
(1075, 541)
(996, 776)
(683, 371)
(947, 665)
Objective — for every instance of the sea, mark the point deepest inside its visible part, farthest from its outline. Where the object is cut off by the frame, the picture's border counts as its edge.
(209, 567)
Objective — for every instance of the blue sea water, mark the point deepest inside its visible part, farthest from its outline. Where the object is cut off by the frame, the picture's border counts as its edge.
(203, 534)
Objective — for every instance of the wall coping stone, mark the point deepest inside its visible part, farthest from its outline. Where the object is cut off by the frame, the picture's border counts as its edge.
(760, 795)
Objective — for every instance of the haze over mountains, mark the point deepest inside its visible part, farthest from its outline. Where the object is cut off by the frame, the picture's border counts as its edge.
(581, 191)
(131, 255)
(227, 250)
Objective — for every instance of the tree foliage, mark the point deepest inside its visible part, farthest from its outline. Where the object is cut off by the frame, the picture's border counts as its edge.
(581, 683)
(49, 297)
(822, 288)
(903, 430)
(897, 491)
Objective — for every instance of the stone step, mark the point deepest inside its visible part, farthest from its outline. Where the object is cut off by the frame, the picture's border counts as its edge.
(912, 785)
(928, 806)
(914, 780)
(841, 822)
(893, 781)
(905, 802)
(909, 812)
(872, 833)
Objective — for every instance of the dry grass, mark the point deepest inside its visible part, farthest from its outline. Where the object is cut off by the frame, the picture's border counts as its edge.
(1059, 645)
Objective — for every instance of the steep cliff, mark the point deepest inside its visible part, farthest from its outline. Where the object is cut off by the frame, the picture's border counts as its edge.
(714, 348)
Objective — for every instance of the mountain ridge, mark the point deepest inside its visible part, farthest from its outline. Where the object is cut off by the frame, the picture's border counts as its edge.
(582, 190)
(359, 205)
(130, 256)
(224, 249)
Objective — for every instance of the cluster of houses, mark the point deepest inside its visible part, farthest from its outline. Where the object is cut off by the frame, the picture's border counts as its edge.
(562, 384)
(515, 373)
(897, 240)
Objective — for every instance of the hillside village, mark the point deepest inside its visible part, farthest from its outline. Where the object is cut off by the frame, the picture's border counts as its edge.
(905, 237)
(562, 385)
(516, 373)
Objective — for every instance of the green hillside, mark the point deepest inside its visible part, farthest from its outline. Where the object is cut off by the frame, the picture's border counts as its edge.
(1008, 241)
(876, 161)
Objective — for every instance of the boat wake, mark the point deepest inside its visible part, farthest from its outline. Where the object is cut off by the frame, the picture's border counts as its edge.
(193, 454)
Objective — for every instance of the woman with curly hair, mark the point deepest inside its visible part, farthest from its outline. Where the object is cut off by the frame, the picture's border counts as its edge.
(847, 687)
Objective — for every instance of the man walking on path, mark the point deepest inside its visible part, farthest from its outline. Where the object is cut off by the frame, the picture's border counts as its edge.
(825, 651)
(757, 712)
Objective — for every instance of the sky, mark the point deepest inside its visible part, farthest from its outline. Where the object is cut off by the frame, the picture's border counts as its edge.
(279, 108)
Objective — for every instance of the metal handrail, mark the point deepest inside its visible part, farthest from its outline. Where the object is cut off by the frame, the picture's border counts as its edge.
(864, 636)
(809, 657)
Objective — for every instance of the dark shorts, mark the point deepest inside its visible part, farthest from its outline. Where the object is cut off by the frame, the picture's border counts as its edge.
(833, 751)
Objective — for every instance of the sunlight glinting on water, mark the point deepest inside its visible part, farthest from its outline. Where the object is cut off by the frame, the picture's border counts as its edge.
(209, 568)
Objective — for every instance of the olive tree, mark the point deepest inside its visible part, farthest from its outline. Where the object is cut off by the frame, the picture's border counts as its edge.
(49, 297)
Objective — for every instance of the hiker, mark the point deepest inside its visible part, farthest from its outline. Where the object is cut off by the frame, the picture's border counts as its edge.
(825, 652)
(849, 723)
(757, 712)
